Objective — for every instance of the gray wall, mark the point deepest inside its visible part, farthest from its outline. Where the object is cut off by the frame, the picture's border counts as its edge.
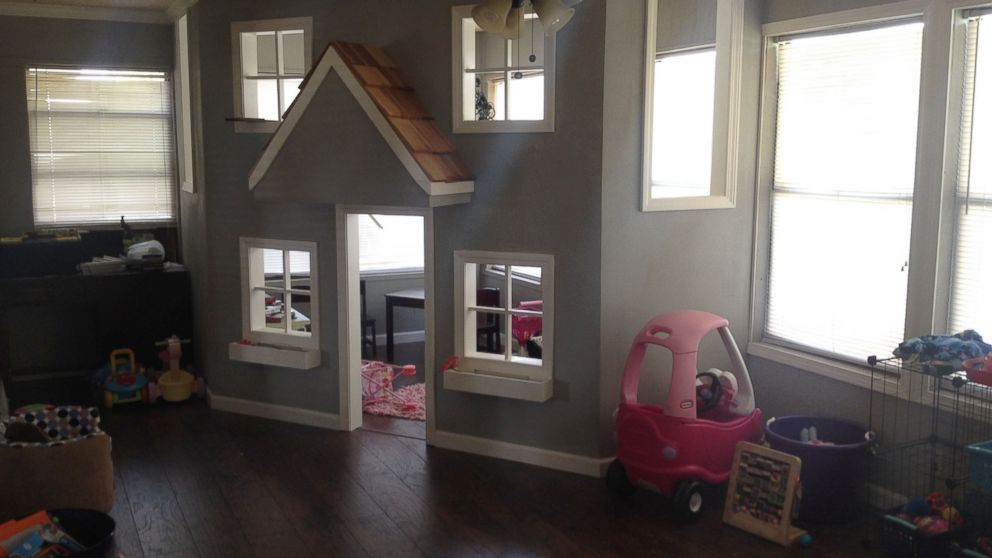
(29, 40)
(654, 262)
(534, 193)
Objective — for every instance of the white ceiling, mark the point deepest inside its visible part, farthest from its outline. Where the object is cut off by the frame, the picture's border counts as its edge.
(158, 5)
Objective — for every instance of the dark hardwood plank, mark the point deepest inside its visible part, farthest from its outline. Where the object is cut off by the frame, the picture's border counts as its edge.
(191, 482)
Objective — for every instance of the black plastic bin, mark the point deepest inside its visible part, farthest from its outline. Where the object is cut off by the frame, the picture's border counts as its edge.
(833, 476)
(91, 528)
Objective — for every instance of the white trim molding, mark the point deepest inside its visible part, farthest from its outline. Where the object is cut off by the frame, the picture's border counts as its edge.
(349, 307)
(738, 55)
(55, 11)
(272, 411)
(561, 461)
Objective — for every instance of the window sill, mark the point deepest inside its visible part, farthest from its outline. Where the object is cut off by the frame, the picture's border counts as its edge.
(685, 204)
(498, 386)
(503, 126)
(836, 370)
(253, 127)
(300, 359)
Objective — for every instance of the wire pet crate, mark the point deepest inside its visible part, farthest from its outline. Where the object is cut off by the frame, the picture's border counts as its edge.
(923, 417)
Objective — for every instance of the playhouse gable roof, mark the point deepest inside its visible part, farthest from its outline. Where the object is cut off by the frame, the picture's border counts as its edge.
(382, 91)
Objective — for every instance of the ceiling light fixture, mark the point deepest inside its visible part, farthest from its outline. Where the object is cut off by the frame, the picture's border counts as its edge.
(506, 17)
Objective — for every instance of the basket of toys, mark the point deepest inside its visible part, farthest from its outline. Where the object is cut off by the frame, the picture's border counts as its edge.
(921, 527)
(981, 465)
(980, 369)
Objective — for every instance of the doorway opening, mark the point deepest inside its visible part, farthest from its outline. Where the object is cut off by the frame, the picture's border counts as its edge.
(388, 321)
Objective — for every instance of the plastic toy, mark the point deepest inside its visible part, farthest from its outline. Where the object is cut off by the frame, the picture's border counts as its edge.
(682, 447)
(174, 384)
(806, 540)
(377, 382)
(125, 382)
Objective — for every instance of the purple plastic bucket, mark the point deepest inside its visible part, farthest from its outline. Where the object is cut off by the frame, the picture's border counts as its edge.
(833, 476)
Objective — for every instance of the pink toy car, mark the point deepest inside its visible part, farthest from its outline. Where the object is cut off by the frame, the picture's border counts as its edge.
(689, 443)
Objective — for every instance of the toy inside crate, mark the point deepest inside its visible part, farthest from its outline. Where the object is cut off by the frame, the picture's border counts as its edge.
(924, 417)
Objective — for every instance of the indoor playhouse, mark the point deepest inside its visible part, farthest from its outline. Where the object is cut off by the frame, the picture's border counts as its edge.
(680, 448)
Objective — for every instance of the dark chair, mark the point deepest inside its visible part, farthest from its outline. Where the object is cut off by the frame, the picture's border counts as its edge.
(367, 324)
(488, 324)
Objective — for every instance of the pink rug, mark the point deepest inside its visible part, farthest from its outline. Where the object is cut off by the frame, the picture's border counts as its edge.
(405, 402)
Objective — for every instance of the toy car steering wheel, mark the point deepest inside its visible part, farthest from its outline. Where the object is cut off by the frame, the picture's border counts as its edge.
(708, 396)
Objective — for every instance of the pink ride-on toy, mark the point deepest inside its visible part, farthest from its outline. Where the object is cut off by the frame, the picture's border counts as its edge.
(681, 448)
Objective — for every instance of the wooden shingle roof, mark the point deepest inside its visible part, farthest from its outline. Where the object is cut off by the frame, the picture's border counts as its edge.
(390, 102)
(384, 82)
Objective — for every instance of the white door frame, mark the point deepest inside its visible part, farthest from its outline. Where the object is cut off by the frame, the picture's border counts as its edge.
(349, 310)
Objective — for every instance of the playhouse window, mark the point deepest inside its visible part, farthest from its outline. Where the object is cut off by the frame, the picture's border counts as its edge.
(497, 87)
(271, 58)
(279, 292)
(505, 326)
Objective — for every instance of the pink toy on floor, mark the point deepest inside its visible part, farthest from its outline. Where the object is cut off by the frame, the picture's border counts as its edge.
(682, 447)
(377, 384)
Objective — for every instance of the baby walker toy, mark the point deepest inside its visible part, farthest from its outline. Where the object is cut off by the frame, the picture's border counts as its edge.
(687, 444)
(377, 384)
(125, 382)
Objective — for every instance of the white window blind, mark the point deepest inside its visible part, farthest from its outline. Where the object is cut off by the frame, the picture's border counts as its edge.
(842, 189)
(299, 262)
(390, 243)
(971, 300)
(102, 146)
(682, 127)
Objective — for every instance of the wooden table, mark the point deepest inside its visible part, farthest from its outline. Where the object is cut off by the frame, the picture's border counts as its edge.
(410, 298)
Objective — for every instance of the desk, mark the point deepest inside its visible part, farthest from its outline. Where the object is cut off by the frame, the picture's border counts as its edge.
(410, 298)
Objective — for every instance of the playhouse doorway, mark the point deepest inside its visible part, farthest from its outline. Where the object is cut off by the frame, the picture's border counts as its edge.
(385, 252)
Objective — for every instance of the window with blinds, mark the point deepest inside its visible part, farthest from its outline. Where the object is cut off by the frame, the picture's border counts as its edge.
(390, 243)
(971, 303)
(102, 146)
(844, 165)
(682, 129)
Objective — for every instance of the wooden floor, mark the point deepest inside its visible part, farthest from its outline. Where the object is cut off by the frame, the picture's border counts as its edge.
(191, 482)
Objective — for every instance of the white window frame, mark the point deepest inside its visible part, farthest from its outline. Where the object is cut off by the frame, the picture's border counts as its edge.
(135, 223)
(462, 126)
(511, 376)
(931, 244)
(734, 86)
(249, 285)
(239, 27)
(184, 106)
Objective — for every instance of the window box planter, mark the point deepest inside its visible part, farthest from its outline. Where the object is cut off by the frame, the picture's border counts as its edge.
(499, 386)
(285, 357)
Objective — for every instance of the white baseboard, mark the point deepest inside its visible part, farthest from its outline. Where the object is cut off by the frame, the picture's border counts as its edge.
(272, 411)
(570, 462)
(401, 337)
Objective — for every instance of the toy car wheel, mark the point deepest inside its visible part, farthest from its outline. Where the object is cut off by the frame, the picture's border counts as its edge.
(617, 480)
(689, 500)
